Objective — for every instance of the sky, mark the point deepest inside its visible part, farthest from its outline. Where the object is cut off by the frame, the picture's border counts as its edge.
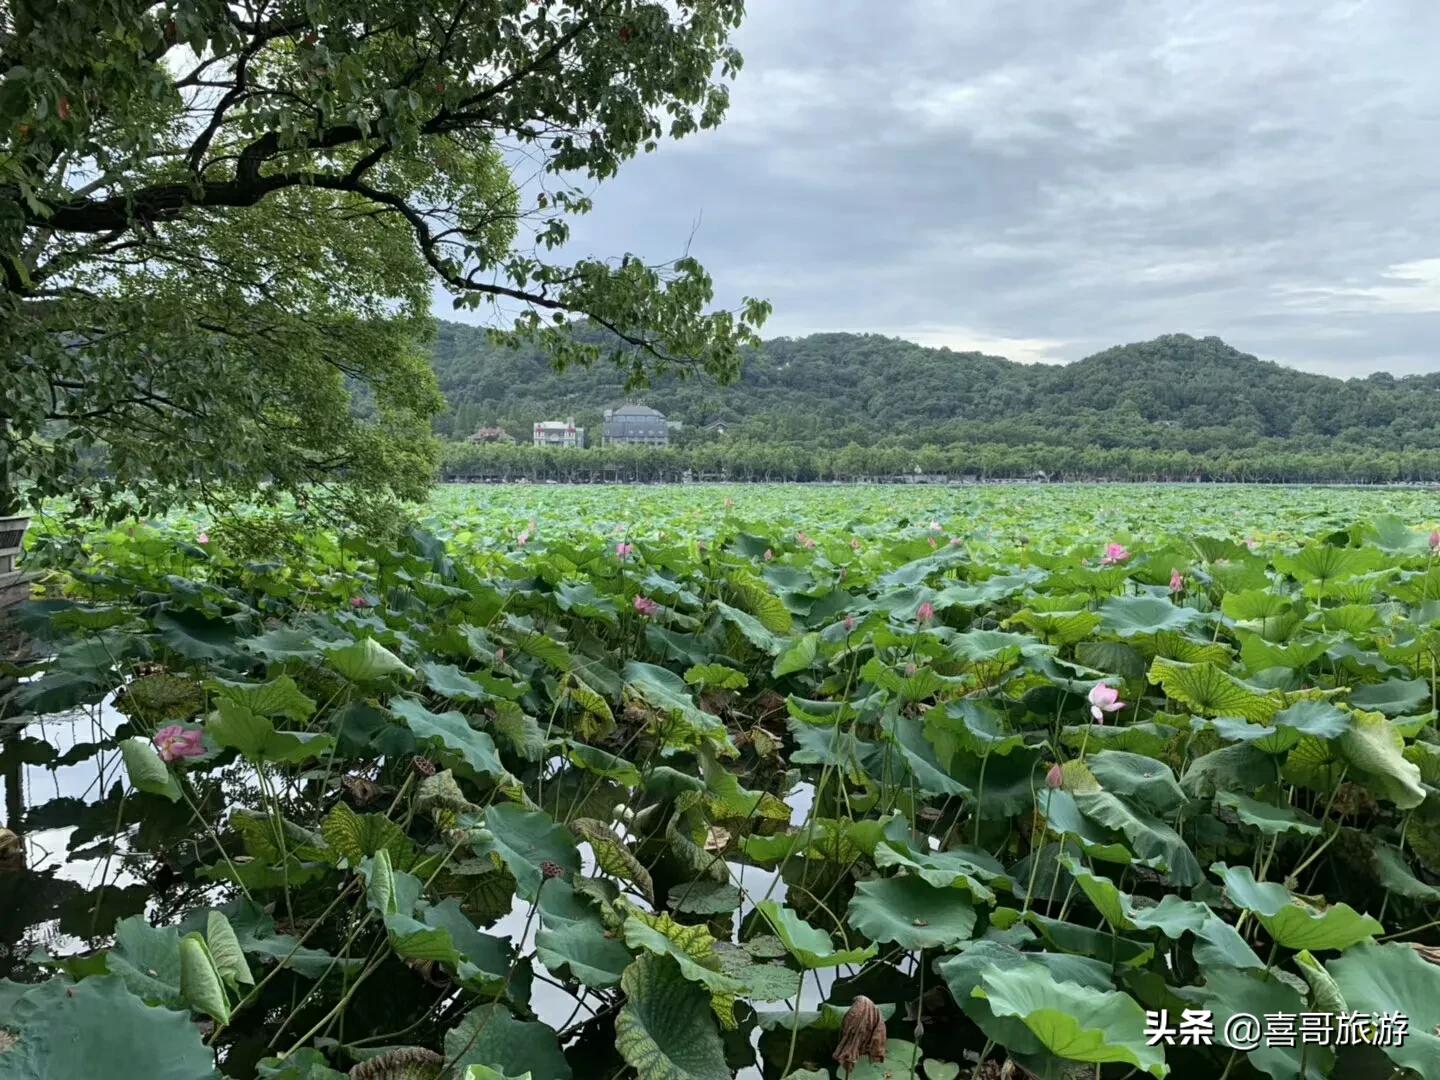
(1042, 179)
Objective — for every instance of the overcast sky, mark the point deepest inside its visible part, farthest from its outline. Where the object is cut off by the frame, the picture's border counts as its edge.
(1042, 179)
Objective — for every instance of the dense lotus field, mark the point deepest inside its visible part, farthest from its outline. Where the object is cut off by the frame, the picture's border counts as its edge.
(698, 782)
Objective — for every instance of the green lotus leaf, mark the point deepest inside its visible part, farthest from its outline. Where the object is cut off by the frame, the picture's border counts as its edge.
(1394, 978)
(276, 698)
(491, 1036)
(65, 1029)
(1270, 819)
(812, 947)
(573, 938)
(1128, 616)
(366, 661)
(665, 1030)
(453, 733)
(1376, 750)
(1074, 1022)
(911, 913)
(1291, 921)
(526, 840)
(147, 772)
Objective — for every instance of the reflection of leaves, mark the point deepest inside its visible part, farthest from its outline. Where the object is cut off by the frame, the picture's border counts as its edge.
(89, 914)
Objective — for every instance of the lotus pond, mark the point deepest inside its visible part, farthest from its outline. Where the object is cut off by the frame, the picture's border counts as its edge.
(714, 781)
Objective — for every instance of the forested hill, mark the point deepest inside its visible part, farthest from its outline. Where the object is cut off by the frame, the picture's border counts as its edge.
(830, 390)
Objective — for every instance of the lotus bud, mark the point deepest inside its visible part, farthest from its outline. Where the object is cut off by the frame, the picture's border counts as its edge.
(1055, 778)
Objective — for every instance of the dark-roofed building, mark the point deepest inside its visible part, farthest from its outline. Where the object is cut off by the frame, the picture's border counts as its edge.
(635, 425)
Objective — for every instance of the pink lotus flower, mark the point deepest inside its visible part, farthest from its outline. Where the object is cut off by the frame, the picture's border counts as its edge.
(1177, 581)
(1435, 541)
(934, 526)
(849, 623)
(1055, 778)
(955, 540)
(932, 543)
(1104, 699)
(359, 602)
(1114, 553)
(203, 538)
(523, 538)
(769, 554)
(175, 742)
(925, 613)
(624, 550)
(910, 669)
(647, 607)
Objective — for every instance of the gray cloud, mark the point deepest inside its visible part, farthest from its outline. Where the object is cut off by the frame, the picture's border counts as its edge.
(1043, 180)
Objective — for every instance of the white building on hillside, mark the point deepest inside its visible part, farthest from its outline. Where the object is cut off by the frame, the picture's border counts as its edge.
(559, 433)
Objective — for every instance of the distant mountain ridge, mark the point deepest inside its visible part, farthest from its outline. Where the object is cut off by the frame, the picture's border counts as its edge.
(835, 389)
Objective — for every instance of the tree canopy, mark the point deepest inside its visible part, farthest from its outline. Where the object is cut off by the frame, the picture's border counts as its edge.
(220, 225)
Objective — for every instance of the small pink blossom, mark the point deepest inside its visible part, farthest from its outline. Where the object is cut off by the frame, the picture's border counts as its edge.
(175, 742)
(854, 543)
(647, 607)
(925, 613)
(1177, 581)
(359, 602)
(910, 669)
(1055, 778)
(1435, 540)
(955, 540)
(523, 538)
(934, 526)
(203, 538)
(1114, 553)
(769, 554)
(1252, 543)
(1104, 699)
(849, 623)
(624, 550)
(932, 543)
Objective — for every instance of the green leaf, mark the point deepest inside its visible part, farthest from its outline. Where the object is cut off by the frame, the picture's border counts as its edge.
(719, 676)
(147, 772)
(1374, 748)
(704, 896)
(225, 950)
(613, 856)
(449, 681)
(276, 698)
(1270, 819)
(1394, 873)
(200, 983)
(573, 938)
(366, 661)
(1073, 1022)
(1394, 697)
(693, 950)
(970, 868)
(798, 657)
(257, 740)
(1209, 691)
(354, 836)
(453, 733)
(491, 1036)
(1228, 991)
(911, 913)
(1394, 978)
(72, 1029)
(1128, 616)
(1147, 836)
(196, 637)
(1293, 922)
(665, 1030)
(814, 948)
(148, 959)
(526, 840)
